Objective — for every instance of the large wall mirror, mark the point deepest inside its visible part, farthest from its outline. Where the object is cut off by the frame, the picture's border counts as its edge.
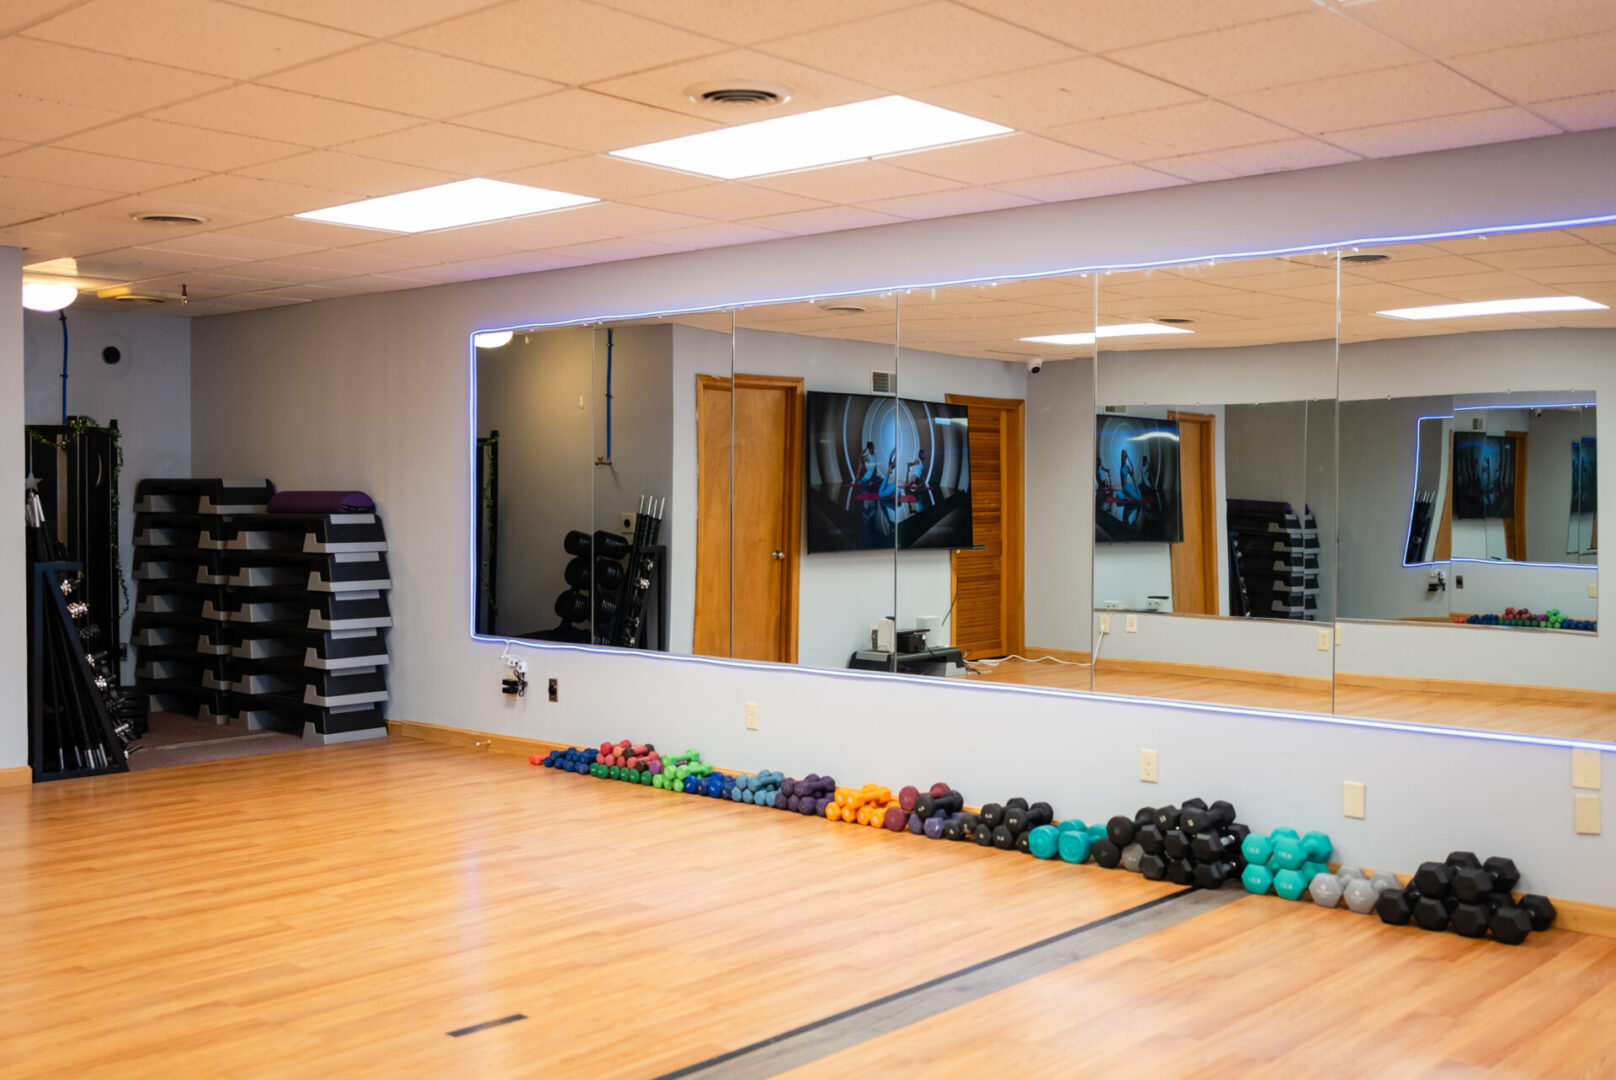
(1307, 482)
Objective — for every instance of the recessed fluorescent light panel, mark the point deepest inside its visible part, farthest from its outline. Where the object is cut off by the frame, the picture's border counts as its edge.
(1523, 306)
(1141, 329)
(842, 133)
(447, 206)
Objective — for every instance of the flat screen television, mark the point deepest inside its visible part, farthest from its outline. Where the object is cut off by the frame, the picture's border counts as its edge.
(886, 472)
(1483, 476)
(1137, 492)
(1584, 476)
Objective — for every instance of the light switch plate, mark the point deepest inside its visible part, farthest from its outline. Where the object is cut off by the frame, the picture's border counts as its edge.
(1587, 815)
(1133, 623)
(751, 716)
(1593, 592)
(1324, 640)
(1352, 799)
(1585, 769)
(1149, 772)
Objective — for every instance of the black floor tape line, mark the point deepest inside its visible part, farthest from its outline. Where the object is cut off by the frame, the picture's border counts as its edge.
(821, 1038)
(485, 1025)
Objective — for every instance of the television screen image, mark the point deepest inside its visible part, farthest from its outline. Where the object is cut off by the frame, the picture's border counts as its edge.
(1483, 476)
(1584, 477)
(1137, 494)
(886, 472)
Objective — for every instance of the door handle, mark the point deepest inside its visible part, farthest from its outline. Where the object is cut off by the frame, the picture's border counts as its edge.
(779, 556)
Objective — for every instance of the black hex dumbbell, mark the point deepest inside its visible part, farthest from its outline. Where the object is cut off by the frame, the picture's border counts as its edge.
(1022, 819)
(1176, 844)
(1510, 924)
(1215, 875)
(1461, 860)
(1149, 838)
(1396, 906)
(1181, 871)
(1434, 879)
(1106, 853)
(1472, 885)
(1434, 912)
(1153, 867)
(1208, 847)
(1471, 918)
(1120, 830)
(1505, 876)
(1204, 819)
(1541, 910)
(962, 827)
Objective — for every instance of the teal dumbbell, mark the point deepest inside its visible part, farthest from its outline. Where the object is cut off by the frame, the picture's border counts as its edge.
(1290, 884)
(1257, 878)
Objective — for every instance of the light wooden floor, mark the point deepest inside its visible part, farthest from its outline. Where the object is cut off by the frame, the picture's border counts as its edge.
(1268, 988)
(335, 912)
(1566, 720)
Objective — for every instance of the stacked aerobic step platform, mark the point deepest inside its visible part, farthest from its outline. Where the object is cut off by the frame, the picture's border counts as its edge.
(1274, 560)
(285, 614)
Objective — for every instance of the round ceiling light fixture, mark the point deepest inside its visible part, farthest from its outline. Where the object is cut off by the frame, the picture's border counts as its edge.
(161, 217)
(48, 295)
(744, 92)
(493, 339)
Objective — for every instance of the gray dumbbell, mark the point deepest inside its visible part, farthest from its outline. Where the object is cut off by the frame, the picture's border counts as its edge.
(1131, 856)
(1383, 880)
(1361, 895)
(1348, 874)
(1325, 890)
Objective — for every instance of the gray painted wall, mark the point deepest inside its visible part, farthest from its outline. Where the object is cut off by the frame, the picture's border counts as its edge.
(271, 386)
(13, 594)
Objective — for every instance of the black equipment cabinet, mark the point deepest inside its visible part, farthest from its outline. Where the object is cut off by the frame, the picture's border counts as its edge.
(75, 470)
(70, 730)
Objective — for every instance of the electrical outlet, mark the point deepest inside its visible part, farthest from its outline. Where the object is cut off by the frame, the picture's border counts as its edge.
(626, 523)
(1105, 624)
(1585, 769)
(751, 716)
(1351, 799)
(1113, 605)
(1324, 640)
(1338, 635)
(1133, 623)
(1587, 815)
(1149, 773)
(1593, 592)
(555, 689)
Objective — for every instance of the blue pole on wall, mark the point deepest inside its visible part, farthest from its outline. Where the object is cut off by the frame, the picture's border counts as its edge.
(63, 316)
(608, 394)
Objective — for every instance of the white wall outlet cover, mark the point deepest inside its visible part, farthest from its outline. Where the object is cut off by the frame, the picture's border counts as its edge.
(1149, 767)
(1324, 640)
(1105, 624)
(1585, 769)
(1352, 799)
(1593, 592)
(1133, 623)
(751, 716)
(1587, 815)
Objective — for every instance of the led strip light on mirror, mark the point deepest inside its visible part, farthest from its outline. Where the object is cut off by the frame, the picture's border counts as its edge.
(1321, 248)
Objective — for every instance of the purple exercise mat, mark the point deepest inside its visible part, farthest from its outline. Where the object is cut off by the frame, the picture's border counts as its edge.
(320, 502)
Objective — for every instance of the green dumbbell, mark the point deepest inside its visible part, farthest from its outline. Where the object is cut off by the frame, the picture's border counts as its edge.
(1257, 879)
(1290, 884)
(1318, 847)
(1289, 853)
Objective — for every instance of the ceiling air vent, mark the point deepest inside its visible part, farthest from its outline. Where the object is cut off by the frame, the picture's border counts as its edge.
(883, 382)
(1366, 257)
(844, 309)
(160, 218)
(744, 93)
(138, 298)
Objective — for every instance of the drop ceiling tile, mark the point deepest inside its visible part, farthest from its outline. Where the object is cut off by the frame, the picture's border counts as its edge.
(93, 79)
(1570, 67)
(746, 21)
(259, 197)
(372, 18)
(935, 44)
(971, 200)
(1571, 278)
(48, 198)
(389, 76)
(12, 215)
(1250, 160)
(539, 231)
(304, 292)
(1005, 157)
(617, 219)
(1088, 183)
(1531, 259)
(1169, 132)
(858, 182)
(1103, 25)
(373, 283)
(625, 247)
(305, 234)
(568, 41)
(241, 302)
(1585, 113)
(74, 234)
(724, 201)
(228, 243)
(450, 245)
(1065, 92)
(585, 120)
(57, 165)
(455, 149)
(714, 234)
(267, 113)
(140, 263)
(524, 262)
(1442, 133)
(198, 35)
(18, 14)
(115, 219)
(292, 269)
(337, 171)
(1389, 96)
(830, 219)
(178, 144)
(664, 87)
(34, 120)
(1275, 52)
(604, 177)
(1595, 234)
(1445, 28)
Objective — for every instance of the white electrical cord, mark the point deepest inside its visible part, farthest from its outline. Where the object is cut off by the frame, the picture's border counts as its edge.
(1100, 636)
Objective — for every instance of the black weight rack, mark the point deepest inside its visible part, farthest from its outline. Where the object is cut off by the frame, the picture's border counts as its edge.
(1273, 560)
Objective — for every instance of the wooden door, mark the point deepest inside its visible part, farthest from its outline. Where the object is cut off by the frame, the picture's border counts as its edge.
(1515, 527)
(1195, 558)
(988, 580)
(749, 437)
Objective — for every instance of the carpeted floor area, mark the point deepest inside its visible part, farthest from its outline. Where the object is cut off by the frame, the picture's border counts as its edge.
(177, 739)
